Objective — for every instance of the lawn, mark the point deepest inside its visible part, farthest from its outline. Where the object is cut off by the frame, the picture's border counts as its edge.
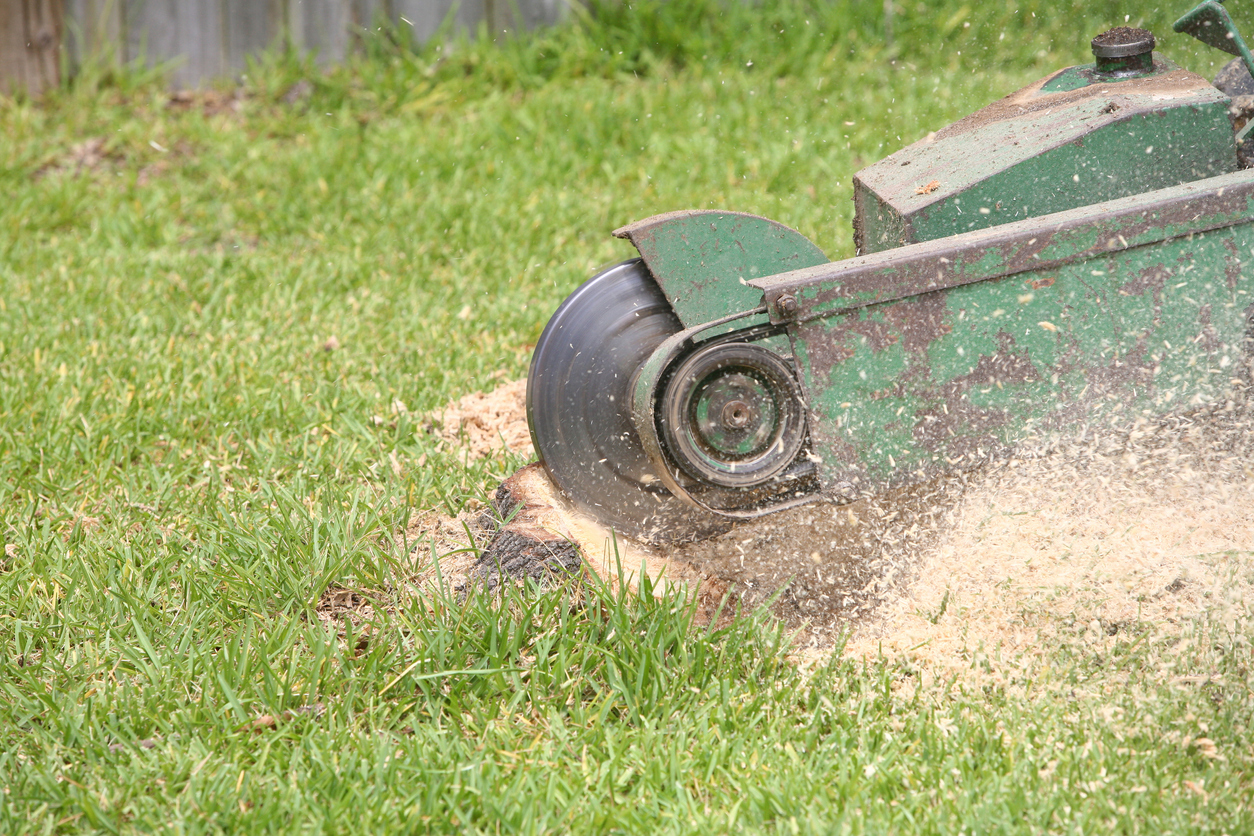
(224, 317)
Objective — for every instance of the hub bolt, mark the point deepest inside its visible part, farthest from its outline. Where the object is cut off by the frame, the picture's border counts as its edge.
(736, 415)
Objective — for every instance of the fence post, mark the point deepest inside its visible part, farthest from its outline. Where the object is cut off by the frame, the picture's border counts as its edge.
(30, 45)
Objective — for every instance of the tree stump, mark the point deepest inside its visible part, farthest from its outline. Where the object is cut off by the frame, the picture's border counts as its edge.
(528, 545)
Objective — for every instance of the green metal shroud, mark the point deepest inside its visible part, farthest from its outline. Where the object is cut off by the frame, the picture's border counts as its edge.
(704, 260)
(1072, 139)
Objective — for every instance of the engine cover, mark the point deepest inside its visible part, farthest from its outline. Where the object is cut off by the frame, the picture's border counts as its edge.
(1072, 139)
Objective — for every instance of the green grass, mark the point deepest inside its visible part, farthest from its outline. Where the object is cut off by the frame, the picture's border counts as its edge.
(189, 462)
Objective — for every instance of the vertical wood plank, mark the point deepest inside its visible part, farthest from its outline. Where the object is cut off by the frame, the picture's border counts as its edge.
(541, 12)
(189, 34)
(470, 13)
(252, 26)
(422, 18)
(30, 45)
(202, 38)
(504, 16)
(368, 15)
(94, 32)
(321, 27)
(150, 30)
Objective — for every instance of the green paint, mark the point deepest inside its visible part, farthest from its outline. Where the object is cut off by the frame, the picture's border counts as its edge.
(704, 260)
(1211, 24)
(1036, 355)
(1072, 78)
(983, 255)
(1144, 153)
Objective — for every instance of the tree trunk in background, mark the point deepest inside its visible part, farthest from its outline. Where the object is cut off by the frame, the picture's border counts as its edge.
(30, 45)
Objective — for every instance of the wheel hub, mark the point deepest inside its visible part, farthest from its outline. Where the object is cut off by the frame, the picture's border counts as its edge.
(732, 415)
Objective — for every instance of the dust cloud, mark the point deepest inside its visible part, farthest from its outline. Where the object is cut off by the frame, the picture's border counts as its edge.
(1149, 528)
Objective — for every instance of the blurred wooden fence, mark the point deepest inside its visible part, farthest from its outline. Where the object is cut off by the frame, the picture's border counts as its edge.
(209, 39)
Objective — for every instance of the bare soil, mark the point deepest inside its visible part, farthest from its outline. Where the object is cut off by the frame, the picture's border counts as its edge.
(970, 576)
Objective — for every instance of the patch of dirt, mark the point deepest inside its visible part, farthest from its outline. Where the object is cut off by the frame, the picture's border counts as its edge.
(99, 156)
(209, 102)
(86, 157)
(445, 549)
(338, 604)
(979, 574)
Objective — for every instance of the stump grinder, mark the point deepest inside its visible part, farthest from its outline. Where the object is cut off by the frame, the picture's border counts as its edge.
(1071, 257)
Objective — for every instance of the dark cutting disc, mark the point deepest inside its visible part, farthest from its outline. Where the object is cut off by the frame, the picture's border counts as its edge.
(578, 405)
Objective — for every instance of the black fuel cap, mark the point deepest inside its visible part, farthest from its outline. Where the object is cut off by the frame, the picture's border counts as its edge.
(1124, 51)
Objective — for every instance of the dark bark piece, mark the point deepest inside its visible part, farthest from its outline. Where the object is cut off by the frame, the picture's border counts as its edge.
(523, 548)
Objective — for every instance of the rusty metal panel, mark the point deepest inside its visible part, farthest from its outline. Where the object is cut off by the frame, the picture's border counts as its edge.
(1041, 151)
(1033, 244)
(902, 390)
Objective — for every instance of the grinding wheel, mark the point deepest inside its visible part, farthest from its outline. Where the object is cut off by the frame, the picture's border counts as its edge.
(578, 405)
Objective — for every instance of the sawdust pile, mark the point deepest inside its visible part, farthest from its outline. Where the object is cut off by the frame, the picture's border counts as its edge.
(1151, 529)
(483, 424)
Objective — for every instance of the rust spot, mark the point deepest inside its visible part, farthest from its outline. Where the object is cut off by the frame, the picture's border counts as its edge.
(1004, 366)
(824, 344)
(878, 333)
(1122, 376)
(1232, 264)
(1149, 280)
(1208, 337)
(922, 320)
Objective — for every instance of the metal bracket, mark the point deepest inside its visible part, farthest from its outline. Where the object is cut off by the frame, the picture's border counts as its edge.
(1211, 24)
